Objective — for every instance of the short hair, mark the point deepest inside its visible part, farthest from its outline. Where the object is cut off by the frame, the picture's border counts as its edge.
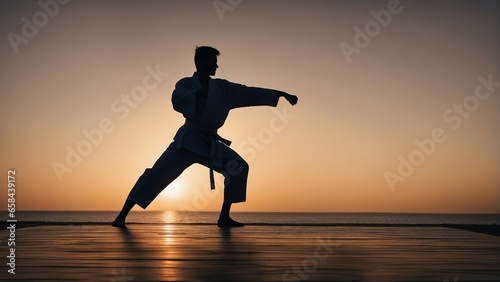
(204, 52)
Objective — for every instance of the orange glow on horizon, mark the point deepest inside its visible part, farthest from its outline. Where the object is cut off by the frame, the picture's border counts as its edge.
(86, 105)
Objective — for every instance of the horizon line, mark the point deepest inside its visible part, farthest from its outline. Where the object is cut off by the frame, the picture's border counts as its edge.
(216, 211)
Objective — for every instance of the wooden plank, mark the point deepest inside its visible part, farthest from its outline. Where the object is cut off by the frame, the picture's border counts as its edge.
(181, 252)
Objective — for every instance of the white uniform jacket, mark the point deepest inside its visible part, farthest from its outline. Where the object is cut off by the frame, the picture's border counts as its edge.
(199, 133)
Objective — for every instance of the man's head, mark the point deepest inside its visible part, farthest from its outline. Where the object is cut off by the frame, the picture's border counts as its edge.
(205, 59)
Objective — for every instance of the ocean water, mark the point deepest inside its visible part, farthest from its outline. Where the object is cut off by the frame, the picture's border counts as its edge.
(254, 217)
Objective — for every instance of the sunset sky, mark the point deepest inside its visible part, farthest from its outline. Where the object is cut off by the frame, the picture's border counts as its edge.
(398, 111)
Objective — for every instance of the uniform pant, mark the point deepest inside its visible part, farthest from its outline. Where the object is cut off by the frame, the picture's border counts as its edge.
(175, 160)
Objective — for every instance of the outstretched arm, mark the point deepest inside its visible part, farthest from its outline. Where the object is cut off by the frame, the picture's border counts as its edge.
(244, 96)
(292, 99)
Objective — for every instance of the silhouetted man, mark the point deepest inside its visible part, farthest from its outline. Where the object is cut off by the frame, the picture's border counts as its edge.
(205, 103)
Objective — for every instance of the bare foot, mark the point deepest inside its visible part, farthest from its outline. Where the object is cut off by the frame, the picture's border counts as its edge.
(228, 223)
(120, 223)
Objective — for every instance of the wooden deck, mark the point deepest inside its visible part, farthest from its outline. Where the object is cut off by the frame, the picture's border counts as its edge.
(182, 252)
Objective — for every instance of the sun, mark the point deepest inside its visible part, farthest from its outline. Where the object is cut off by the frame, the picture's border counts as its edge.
(173, 190)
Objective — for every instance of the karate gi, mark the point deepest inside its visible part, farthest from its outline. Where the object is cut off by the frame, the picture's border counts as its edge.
(197, 140)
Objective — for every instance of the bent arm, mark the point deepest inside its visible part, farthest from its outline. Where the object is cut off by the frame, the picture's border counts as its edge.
(187, 99)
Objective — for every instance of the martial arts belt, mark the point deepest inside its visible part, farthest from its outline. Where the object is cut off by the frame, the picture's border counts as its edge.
(215, 140)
